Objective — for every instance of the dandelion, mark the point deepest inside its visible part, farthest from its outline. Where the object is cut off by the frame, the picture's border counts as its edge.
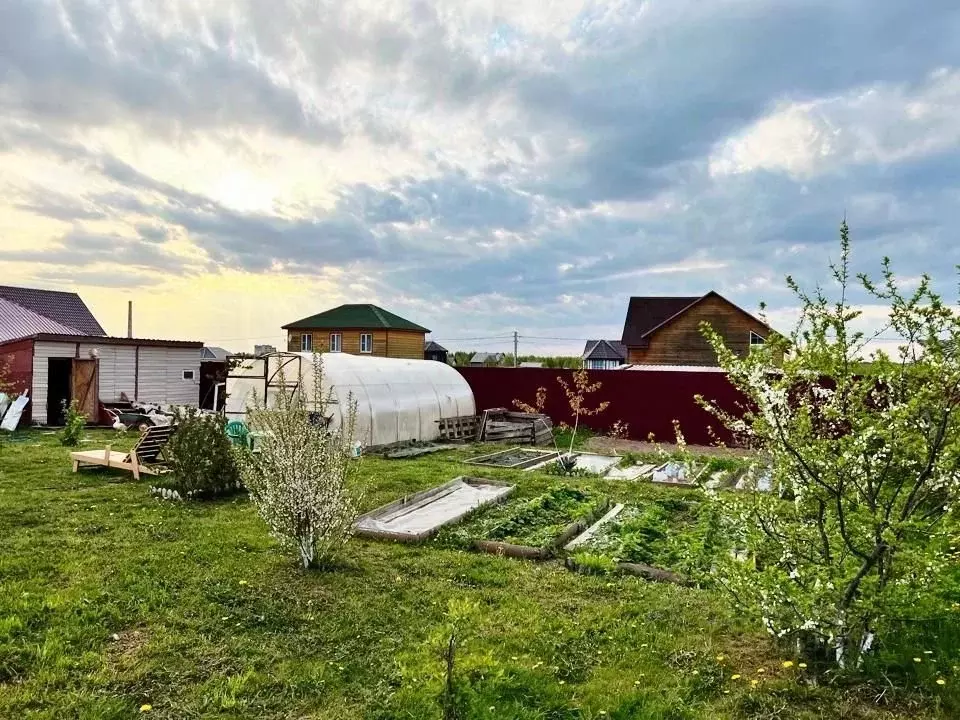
(761, 671)
(735, 677)
(514, 658)
(928, 652)
(802, 665)
(787, 663)
(721, 658)
(243, 582)
(918, 659)
(563, 682)
(754, 683)
(941, 681)
(146, 708)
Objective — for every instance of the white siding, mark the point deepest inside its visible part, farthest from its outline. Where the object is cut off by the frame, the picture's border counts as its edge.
(161, 376)
(42, 352)
(161, 373)
(118, 369)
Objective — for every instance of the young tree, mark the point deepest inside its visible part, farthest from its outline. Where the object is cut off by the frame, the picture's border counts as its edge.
(864, 465)
(299, 479)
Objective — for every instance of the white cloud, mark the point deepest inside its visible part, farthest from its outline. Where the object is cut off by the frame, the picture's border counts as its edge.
(878, 124)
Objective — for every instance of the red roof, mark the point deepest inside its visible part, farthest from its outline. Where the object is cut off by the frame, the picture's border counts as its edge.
(64, 308)
(18, 322)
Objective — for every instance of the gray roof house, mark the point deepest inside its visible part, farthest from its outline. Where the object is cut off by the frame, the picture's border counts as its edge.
(482, 358)
(604, 354)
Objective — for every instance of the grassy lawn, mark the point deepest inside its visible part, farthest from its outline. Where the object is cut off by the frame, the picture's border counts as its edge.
(111, 599)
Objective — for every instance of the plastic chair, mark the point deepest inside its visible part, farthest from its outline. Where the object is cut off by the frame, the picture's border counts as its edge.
(237, 431)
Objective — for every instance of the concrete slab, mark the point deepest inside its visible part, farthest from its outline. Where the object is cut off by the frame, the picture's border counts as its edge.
(421, 515)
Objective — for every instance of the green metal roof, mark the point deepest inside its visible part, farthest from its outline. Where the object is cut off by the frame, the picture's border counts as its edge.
(355, 317)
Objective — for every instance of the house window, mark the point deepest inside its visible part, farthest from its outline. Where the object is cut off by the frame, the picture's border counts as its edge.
(306, 342)
(188, 374)
(756, 340)
(366, 343)
(335, 342)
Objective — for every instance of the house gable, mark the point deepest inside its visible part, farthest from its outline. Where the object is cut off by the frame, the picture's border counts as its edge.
(63, 308)
(677, 339)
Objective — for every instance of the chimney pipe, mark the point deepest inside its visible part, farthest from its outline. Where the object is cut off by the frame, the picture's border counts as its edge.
(130, 318)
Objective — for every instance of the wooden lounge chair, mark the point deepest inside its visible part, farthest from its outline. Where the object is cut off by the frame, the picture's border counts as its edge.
(143, 458)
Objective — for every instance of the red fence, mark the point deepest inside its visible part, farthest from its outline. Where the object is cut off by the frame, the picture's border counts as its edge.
(647, 400)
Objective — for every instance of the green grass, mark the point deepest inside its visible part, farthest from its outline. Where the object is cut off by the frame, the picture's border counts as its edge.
(111, 599)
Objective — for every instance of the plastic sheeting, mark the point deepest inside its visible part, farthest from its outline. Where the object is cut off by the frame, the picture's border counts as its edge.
(397, 400)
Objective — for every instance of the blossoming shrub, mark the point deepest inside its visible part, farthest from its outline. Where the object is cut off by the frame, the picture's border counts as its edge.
(200, 456)
(863, 451)
(299, 477)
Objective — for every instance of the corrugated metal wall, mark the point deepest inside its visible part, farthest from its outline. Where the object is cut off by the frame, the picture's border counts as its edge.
(648, 400)
(16, 360)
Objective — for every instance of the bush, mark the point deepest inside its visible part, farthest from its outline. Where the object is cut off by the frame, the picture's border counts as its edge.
(299, 479)
(74, 425)
(200, 455)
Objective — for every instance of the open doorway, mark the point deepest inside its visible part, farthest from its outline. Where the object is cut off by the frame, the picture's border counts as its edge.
(59, 371)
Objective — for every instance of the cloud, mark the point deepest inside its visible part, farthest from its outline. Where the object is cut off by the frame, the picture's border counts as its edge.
(528, 165)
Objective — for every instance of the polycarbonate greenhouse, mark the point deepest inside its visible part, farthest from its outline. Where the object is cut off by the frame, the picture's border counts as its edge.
(397, 400)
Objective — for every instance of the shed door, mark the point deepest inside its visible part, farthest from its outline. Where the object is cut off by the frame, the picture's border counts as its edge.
(85, 385)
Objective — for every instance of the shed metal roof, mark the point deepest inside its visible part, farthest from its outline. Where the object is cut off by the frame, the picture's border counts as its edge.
(65, 308)
(18, 322)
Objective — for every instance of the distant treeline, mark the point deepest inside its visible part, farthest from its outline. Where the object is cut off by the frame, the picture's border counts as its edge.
(506, 360)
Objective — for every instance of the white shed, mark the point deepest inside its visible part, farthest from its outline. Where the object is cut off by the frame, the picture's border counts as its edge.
(57, 368)
(397, 400)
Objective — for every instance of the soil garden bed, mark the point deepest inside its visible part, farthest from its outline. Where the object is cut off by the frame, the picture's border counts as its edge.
(535, 528)
(514, 458)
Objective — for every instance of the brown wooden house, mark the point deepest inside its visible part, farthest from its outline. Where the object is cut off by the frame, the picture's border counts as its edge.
(666, 330)
(358, 330)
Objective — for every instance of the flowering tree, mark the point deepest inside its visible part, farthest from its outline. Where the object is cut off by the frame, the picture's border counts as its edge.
(861, 454)
(298, 479)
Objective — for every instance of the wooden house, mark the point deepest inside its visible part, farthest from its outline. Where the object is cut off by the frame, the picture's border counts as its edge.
(357, 330)
(666, 330)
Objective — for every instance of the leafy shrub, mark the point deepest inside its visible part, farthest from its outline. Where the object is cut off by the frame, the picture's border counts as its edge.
(74, 424)
(200, 455)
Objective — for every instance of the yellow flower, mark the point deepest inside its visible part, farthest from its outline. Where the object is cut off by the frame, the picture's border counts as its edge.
(754, 683)
(802, 665)
(761, 671)
(918, 659)
(941, 681)
(735, 677)
(928, 652)
(721, 658)
(146, 708)
(788, 663)
(243, 582)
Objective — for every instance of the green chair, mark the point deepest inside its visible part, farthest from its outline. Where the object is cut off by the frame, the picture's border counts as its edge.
(237, 431)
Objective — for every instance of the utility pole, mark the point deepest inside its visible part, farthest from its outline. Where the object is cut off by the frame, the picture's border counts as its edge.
(516, 342)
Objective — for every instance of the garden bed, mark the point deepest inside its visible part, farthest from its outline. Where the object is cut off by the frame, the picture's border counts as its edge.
(657, 540)
(421, 515)
(536, 528)
(587, 463)
(515, 458)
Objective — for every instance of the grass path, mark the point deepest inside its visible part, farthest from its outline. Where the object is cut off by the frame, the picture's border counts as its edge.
(111, 600)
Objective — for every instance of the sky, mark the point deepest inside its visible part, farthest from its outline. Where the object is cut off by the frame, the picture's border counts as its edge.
(478, 167)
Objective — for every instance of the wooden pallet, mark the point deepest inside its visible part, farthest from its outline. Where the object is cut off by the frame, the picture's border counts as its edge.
(462, 427)
(502, 425)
